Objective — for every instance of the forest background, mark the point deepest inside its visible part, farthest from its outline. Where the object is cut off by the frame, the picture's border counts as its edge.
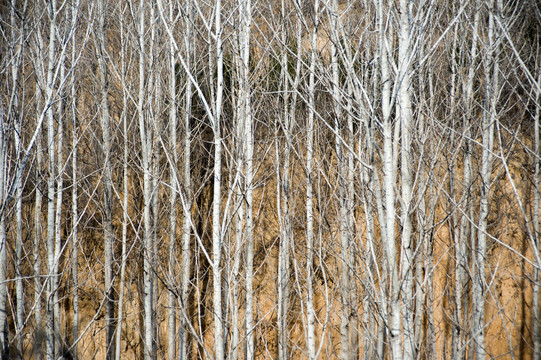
(270, 179)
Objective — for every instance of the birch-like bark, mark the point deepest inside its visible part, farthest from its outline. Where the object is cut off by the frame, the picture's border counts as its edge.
(491, 69)
(217, 236)
(419, 263)
(393, 318)
(405, 117)
(286, 231)
(458, 346)
(49, 311)
(144, 132)
(239, 220)
(186, 216)
(310, 313)
(36, 250)
(105, 122)
(74, 200)
(58, 214)
(245, 8)
(17, 43)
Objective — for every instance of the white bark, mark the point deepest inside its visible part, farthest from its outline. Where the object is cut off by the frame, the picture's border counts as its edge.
(310, 313)
(394, 318)
(405, 117)
(172, 313)
(245, 8)
(286, 231)
(345, 234)
(186, 219)
(217, 236)
(491, 69)
(36, 253)
(145, 134)
(462, 262)
(17, 43)
(58, 218)
(171, 334)
(50, 324)
(74, 205)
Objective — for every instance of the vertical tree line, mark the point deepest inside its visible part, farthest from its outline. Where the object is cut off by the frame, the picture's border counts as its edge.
(243, 179)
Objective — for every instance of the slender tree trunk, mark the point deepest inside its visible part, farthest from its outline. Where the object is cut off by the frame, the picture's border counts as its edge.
(13, 113)
(393, 318)
(172, 312)
(536, 332)
(310, 313)
(343, 178)
(245, 9)
(74, 205)
(186, 217)
(462, 258)
(74, 193)
(50, 324)
(108, 236)
(490, 65)
(286, 232)
(36, 252)
(217, 236)
(4, 340)
(58, 217)
(125, 218)
(144, 131)
(405, 116)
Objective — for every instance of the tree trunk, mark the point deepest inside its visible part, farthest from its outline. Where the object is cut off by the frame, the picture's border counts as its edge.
(217, 236)
(125, 216)
(405, 116)
(537, 198)
(187, 215)
(172, 312)
(490, 66)
(310, 313)
(108, 235)
(50, 324)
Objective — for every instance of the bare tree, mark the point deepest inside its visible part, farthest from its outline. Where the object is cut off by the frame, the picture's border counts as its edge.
(105, 122)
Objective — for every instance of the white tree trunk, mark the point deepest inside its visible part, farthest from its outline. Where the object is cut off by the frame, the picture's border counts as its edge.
(310, 313)
(58, 217)
(393, 318)
(462, 258)
(217, 236)
(17, 42)
(490, 66)
(50, 324)
(145, 134)
(405, 117)
(36, 251)
(187, 216)
(245, 14)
